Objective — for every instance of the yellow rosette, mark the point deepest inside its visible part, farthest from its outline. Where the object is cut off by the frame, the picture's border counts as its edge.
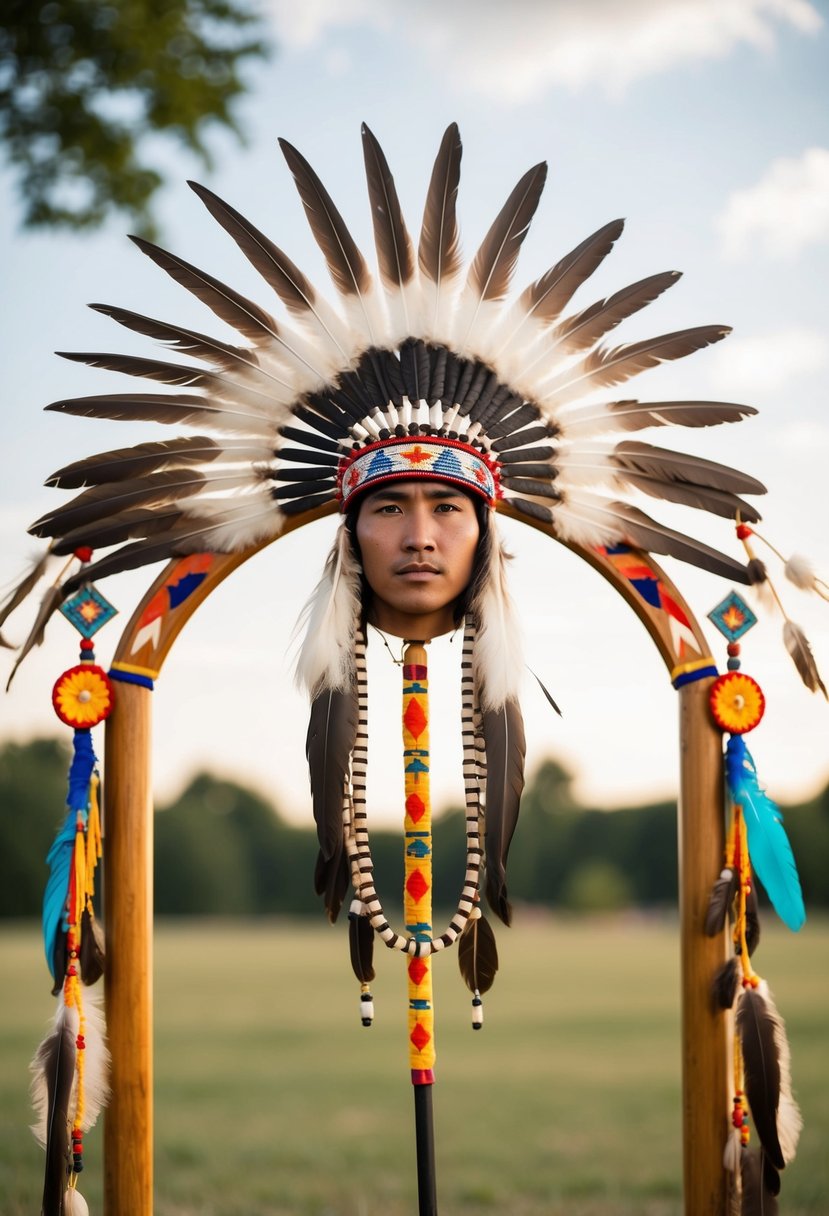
(737, 702)
(82, 697)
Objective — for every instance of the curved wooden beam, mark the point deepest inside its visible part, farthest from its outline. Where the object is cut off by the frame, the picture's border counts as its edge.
(164, 611)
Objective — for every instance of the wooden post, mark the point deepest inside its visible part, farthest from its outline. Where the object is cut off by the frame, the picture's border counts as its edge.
(705, 1033)
(128, 908)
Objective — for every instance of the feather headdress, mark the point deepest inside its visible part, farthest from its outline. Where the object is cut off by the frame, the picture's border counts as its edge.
(426, 350)
(424, 369)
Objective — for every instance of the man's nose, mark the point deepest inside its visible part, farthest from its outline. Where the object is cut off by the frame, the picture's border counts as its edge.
(419, 534)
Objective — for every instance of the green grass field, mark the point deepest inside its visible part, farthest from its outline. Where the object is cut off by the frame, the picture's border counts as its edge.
(272, 1100)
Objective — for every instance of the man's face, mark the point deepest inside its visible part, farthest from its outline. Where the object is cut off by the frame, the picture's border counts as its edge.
(418, 541)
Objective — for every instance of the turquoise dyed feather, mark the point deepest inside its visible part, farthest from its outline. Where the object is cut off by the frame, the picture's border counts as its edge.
(768, 845)
(59, 857)
(59, 860)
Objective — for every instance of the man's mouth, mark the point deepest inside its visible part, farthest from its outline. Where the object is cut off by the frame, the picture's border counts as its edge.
(418, 568)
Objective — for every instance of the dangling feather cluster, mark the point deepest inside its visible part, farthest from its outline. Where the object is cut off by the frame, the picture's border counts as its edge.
(423, 347)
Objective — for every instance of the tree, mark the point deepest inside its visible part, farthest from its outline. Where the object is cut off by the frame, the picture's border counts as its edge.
(85, 83)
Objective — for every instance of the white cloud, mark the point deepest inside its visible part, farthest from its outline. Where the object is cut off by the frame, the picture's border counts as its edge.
(784, 212)
(768, 363)
(568, 43)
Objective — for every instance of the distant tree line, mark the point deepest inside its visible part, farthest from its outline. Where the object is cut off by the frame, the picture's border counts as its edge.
(222, 850)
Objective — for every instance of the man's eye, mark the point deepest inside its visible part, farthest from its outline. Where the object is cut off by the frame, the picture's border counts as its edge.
(446, 507)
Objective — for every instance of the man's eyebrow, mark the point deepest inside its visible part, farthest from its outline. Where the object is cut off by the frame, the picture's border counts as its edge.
(439, 490)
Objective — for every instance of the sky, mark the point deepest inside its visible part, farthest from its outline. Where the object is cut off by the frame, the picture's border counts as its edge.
(704, 124)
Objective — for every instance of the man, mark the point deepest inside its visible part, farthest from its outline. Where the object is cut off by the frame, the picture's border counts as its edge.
(416, 542)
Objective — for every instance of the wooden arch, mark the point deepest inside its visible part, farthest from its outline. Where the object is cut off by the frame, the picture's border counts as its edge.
(162, 614)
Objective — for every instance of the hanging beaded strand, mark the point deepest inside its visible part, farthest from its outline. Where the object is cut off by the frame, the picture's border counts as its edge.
(367, 901)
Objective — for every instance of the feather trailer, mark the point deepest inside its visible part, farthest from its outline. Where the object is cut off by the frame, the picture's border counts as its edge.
(49, 604)
(331, 612)
(498, 660)
(25, 586)
(332, 730)
(767, 1069)
(768, 845)
(725, 985)
(478, 954)
(540, 304)
(122, 464)
(58, 1102)
(757, 1198)
(798, 647)
(331, 876)
(361, 946)
(491, 269)
(660, 472)
(239, 313)
(187, 341)
(395, 254)
(438, 254)
(56, 1052)
(346, 265)
(53, 1078)
(171, 409)
(605, 367)
(592, 519)
(600, 418)
(503, 733)
(752, 921)
(720, 901)
(258, 391)
(286, 279)
(582, 330)
(92, 956)
(257, 364)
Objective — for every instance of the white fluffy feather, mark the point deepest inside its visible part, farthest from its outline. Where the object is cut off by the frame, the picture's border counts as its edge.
(789, 1118)
(498, 657)
(96, 1064)
(74, 1203)
(330, 619)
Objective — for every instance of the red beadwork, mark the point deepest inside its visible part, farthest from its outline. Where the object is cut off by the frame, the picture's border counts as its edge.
(84, 553)
(414, 719)
(744, 532)
(416, 885)
(420, 1036)
(417, 969)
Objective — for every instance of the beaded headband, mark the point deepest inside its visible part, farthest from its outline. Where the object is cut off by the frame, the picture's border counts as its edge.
(429, 457)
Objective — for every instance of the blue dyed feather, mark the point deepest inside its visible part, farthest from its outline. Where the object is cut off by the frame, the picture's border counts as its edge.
(768, 845)
(59, 857)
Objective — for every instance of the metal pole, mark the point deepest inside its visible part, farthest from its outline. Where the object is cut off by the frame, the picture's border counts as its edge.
(427, 1203)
